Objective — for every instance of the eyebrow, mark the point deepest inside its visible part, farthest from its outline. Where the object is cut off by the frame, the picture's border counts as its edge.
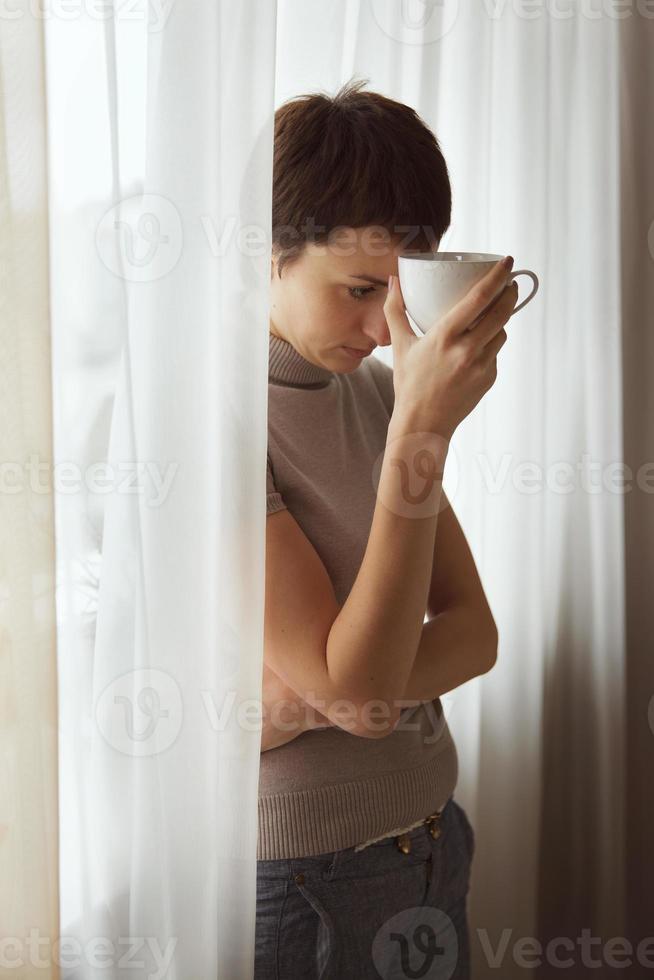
(379, 282)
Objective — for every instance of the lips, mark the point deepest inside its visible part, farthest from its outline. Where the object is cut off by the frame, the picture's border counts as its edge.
(357, 355)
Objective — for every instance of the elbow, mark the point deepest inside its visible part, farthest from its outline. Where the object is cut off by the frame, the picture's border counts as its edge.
(373, 714)
(382, 730)
(489, 648)
(483, 637)
(376, 719)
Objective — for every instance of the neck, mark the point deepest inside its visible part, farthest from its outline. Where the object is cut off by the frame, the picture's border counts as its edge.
(287, 366)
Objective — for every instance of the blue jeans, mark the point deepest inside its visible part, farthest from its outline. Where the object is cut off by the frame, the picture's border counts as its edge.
(383, 912)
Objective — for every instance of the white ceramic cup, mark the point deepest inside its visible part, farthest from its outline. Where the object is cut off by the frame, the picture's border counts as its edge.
(433, 282)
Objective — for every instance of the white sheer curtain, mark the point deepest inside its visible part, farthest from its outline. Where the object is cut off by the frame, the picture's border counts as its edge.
(527, 110)
(159, 338)
(161, 156)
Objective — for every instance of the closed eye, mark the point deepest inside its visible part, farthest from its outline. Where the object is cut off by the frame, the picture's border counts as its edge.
(360, 291)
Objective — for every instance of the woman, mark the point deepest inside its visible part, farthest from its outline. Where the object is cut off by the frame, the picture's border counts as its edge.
(373, 603)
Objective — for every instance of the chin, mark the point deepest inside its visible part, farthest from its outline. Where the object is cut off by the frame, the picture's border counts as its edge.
(348, 367)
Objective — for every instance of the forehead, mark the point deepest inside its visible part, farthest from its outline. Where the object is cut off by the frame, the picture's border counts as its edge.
(360, 247)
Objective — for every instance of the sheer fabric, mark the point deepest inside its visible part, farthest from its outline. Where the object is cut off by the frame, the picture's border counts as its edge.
(160, 325)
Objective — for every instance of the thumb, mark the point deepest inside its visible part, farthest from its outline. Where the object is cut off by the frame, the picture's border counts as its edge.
(398, 323)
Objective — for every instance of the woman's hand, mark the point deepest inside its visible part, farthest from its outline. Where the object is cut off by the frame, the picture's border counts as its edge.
(439, 378)
(285, 714)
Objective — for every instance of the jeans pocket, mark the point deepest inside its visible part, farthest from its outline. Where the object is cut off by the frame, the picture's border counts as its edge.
(322, 953)
(348, 915)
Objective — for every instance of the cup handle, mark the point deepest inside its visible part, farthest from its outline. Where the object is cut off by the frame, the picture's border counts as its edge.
(534, 279)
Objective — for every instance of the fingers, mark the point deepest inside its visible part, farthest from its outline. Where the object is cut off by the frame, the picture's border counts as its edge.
(492, 335)
(492, 348)
(476, 301)
(397, 320)
(496, 317)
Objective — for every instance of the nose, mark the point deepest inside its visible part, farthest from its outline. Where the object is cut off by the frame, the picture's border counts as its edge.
(376, 329)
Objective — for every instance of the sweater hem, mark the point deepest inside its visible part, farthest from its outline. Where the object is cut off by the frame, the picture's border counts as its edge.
(330, 818)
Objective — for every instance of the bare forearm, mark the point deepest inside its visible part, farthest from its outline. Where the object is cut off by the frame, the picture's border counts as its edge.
(374, 639)
(456, 645)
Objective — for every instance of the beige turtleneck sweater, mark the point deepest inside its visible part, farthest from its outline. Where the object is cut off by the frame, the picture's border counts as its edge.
(327, 789)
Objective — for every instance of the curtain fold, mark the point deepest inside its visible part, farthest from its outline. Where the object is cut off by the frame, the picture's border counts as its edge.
(159, 668)
(28, 680)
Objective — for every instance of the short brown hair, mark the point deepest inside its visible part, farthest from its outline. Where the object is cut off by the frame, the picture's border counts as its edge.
(355, 159)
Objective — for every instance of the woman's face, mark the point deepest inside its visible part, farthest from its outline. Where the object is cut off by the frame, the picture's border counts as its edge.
(332, 297)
